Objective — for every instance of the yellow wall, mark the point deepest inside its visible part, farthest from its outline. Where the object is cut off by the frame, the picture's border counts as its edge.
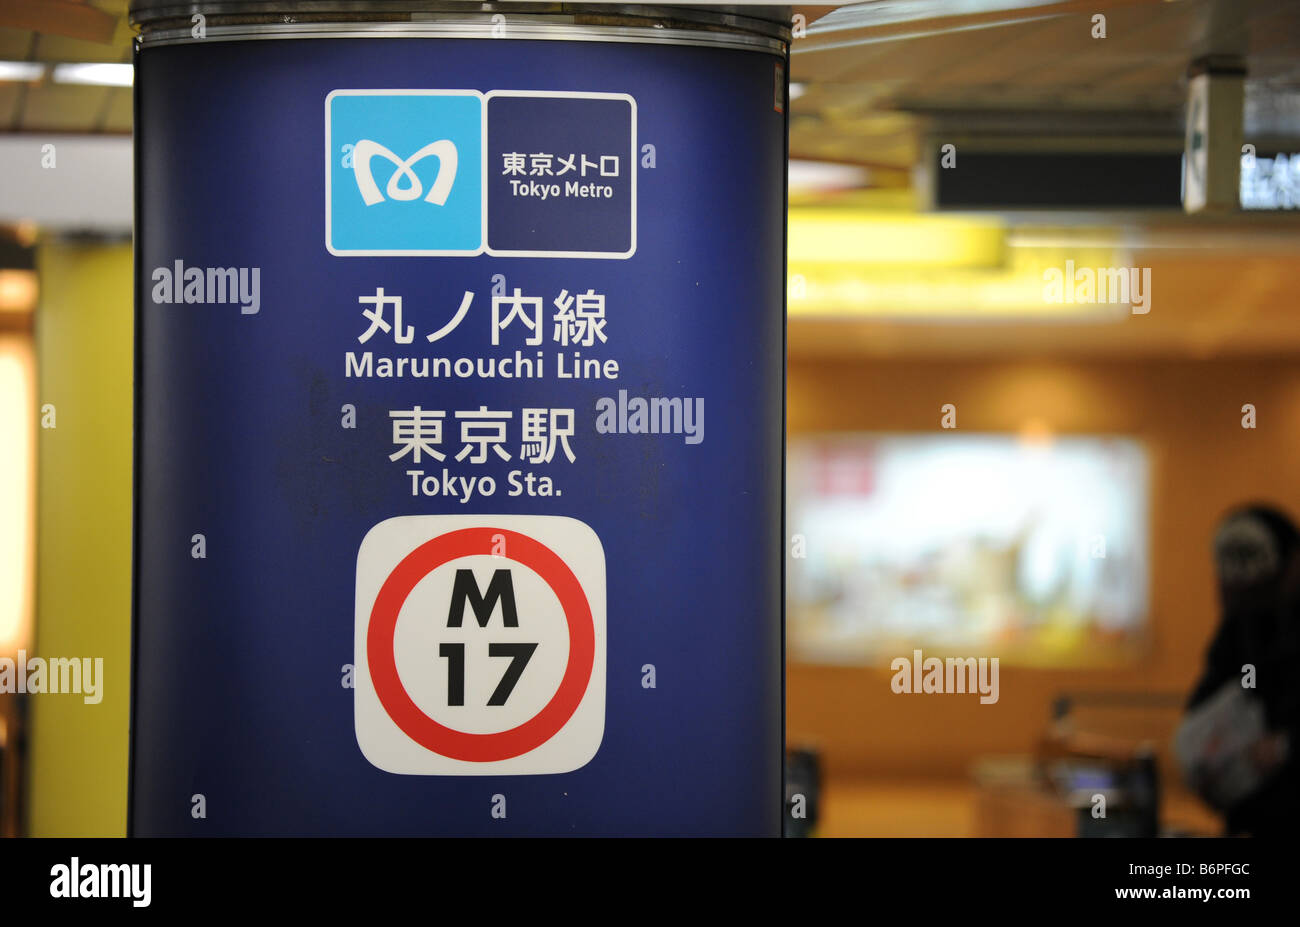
(1202, 462)
(78, 759)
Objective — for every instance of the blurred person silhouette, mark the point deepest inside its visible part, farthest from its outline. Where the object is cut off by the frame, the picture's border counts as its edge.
(1239, 744)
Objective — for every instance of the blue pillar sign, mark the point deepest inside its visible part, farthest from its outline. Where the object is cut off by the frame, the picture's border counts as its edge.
(460, 392)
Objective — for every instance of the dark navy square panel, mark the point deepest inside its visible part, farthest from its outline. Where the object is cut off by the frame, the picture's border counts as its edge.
(561, 174)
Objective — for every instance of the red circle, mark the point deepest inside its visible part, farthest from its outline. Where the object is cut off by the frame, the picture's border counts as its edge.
(380, 643)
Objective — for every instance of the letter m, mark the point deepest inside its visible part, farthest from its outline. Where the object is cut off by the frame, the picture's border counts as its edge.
(65, 674)
(443, 149)
(1114, 280)
(465, 589)
(117, 880)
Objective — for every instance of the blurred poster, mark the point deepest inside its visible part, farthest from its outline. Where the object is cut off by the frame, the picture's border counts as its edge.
(1029, 549)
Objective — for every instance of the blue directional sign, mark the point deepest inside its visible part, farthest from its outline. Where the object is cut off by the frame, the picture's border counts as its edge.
(459, 438)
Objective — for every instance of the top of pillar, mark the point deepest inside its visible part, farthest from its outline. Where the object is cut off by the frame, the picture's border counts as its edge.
(763, 16)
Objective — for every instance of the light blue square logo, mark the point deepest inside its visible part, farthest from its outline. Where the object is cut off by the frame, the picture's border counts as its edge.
(404, 172)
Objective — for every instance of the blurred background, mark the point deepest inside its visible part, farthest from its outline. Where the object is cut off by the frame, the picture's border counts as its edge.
(978, 466)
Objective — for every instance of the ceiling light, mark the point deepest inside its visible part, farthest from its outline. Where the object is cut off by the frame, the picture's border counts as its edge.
(823, 176)
(21, 70)
(98, 73)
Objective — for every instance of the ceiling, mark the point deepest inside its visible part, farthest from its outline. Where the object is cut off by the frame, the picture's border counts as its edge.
(59, 31)
(879, 76)
(882, 79)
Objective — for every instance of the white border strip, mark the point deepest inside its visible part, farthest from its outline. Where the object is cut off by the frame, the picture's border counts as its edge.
(519, 29)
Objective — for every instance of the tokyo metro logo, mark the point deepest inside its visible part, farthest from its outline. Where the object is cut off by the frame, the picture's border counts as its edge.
(443, 150)
(403, 172)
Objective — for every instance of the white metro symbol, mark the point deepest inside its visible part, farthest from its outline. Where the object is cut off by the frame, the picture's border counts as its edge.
(443, 149)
